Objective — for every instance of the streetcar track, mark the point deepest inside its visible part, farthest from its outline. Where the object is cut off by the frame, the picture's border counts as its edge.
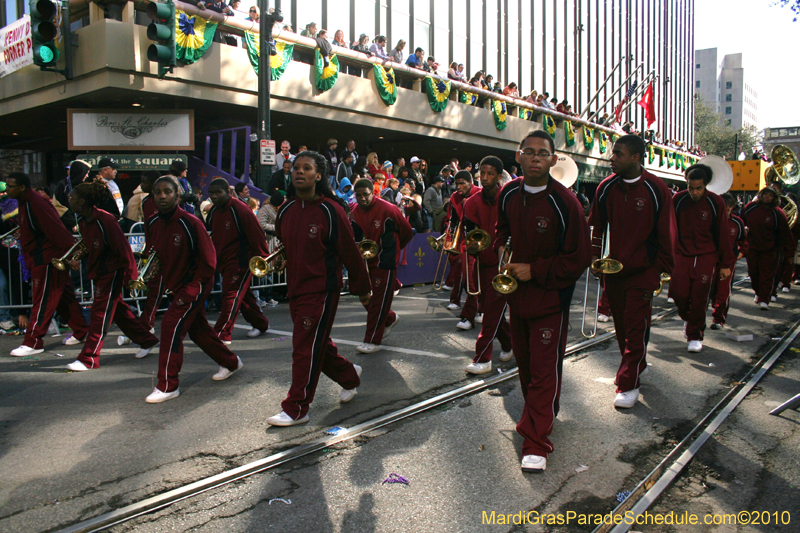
(163, 500)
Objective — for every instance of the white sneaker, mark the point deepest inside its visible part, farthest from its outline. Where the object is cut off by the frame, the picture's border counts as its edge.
(670, 300)
(224, 373)
(282, 419)
(479, 368)
(347, 394)
(773, 298)
(272, 303)
(261, 303)
(77, 366)
(71, 340)
(144, 352)
(388, 329)
(397, 292)
(447, 288)
(626, 399)
(465, 324)
(755, 299)
(452, 306)
(506, 356)
(157, 396)
(785, 289)
(695, 346)
(534, 463)
(7, 324)
(764, 306)
(227, 343)
(255, 332)
(602, 318)
(368, 347)
(23, 350)
(479, 318)
(123, 340)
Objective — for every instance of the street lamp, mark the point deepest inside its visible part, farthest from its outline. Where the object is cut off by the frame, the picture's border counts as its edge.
(267, 48)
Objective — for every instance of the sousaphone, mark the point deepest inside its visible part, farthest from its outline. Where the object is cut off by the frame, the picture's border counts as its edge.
(722, 174)
(565, 171)
(785, 168)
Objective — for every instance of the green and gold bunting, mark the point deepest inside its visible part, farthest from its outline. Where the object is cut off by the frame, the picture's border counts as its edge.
(670, 159)
(438, 92)
(277, 63)
(588, 138)
(326, 76)
(681, 162)
(468, 98)
(549, 125)
(603, 142)
(569, 133)
(663, 159)
(651, 154)
(193, 36)
(527, 114)
(500, 112)
(386, 84)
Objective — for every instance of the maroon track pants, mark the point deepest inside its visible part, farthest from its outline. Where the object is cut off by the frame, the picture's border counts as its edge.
(539, 346)
(52, 291)
(313, 351)
(107, 307)
(494, 323)
(236, 296)
(187, 314)
(631, 306)
(721, 297)
(690, 288)
(155, 291)
(761, 266)
(379, 309)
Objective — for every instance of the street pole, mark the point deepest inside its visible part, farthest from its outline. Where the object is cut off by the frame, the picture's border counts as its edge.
(266, 21)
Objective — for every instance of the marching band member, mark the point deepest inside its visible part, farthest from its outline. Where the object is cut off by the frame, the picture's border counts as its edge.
(155, 287)
(110, 264)
(318, 237)
(237, 236)
(462, 261)
(551, 250)
(480, 211)
(703, 241)
(785, 271)
(382, 222)
(187, 264)
(769, 235)
(721, 293)
(638, 207)
(42, 238)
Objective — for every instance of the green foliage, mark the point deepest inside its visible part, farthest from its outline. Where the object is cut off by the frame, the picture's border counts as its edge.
(713, 137)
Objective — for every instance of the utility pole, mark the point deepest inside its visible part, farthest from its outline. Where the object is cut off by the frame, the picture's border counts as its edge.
(267, 50)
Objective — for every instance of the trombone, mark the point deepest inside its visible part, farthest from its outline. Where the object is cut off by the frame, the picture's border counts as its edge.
(75, 253)
(147, 273)
(605, 264)
(593, 332)
(369, 249)
(502, 282)
(446, 242)
(665, 278)
(274, 262)
(481, 240)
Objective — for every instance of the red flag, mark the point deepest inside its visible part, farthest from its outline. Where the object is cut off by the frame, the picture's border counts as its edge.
(649, 105)
(618, 111)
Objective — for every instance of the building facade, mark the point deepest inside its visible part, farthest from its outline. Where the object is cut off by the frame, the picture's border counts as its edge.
(724, 86)
(786, 136)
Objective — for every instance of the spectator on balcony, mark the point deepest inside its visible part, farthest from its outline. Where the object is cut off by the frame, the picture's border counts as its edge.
(325, 48)
(452, 72)
(396, 54)
(338, 39)
(431, 66)
(362, 45)
(488, 80)
(560, 107)
(373, 165)
(282, 156)
(280, 180)
(310, 31)
(344, 169)
(477, 80)
(532, 97)
(545, 100)
(253, 14)
(553, 104)
(415, 60)
(511, 90)
(378, 47)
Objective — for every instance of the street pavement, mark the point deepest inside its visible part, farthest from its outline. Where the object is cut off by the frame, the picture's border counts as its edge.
(76, 445)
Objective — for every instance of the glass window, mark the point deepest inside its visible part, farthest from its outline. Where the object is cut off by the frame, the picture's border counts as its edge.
(491, 40)
(728, 97)
(729, 85)
(400, 29)
(339, 19)
(311, 12)
(11, 11)
(476, 37)
(384, 18)
(365, 18)
(728, 110)
(459, 18)
(512, 16)
(286, 11)
(525, 79)
(697, 83)
(460, 52)
(422, 10)
(441, 46)
(422, 37)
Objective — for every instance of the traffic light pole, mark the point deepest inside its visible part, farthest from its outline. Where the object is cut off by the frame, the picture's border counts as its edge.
(264, 75)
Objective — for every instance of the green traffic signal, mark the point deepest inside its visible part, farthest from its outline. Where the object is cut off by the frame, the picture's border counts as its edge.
(43, 32)
(162, 31)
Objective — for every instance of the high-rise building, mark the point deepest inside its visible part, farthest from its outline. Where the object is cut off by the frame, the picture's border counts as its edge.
(724, 86)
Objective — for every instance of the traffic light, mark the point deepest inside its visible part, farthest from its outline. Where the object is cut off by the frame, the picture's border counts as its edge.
(162, 31)
(44, 32)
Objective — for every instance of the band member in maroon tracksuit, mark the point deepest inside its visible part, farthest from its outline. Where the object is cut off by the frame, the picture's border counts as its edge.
(551, 250)
(379, 221)
(638, 207)
(462, 261)
(42, 238)
(721, 293)
(783, 275)
(317, 235)
(188, 261)
(703, 242)
(480, 211)
(769, 236)
(237, 237)
(110, 264)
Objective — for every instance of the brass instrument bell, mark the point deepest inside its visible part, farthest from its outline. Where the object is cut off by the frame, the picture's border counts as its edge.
(274, 262)
(75, 253)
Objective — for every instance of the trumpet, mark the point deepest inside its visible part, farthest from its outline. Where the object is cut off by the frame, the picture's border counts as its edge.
(480, 240)
(147, 273)
(605, 264)
(502, 282)
(665, 278)
(75, 253)
(446, 242)
(274, 262)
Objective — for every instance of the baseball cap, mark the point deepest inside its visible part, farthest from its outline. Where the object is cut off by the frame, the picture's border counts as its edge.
(414, 159)
(107, 162)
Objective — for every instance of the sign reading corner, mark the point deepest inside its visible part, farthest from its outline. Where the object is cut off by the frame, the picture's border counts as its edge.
(109, 130)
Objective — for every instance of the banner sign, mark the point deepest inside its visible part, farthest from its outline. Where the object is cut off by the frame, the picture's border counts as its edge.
(16, 46)
(97, 129)
(137, 162)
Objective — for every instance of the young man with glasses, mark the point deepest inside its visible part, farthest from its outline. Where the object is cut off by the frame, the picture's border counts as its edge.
(544, 224)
